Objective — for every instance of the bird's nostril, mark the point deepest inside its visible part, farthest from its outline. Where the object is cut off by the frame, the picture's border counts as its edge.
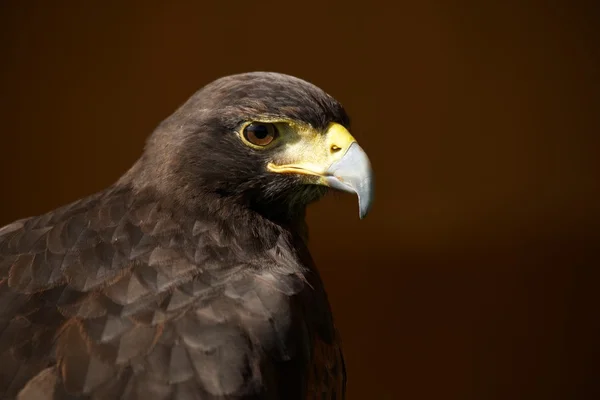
(335, 149)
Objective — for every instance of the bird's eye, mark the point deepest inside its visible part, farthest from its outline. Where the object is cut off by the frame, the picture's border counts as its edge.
(260, 134)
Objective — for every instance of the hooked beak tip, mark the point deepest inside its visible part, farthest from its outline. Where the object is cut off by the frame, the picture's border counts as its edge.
(353, 173)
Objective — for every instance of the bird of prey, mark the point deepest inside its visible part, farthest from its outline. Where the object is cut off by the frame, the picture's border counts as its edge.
(190, 277)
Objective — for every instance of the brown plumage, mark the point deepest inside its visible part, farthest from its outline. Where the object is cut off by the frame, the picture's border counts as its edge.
(189, 278)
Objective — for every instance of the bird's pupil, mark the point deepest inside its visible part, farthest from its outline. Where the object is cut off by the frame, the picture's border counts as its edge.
(260, 131)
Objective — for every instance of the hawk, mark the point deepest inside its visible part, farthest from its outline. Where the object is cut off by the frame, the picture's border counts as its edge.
(190, 277)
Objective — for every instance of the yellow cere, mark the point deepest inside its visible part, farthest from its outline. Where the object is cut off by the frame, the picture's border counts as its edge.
(306, 151)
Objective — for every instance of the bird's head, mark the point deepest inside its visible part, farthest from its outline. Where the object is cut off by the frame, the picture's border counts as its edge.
(270, 141)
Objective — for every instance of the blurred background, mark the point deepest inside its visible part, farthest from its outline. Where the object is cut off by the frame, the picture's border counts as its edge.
(476, 274)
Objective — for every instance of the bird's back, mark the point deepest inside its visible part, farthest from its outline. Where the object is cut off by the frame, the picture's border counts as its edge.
(115, 296)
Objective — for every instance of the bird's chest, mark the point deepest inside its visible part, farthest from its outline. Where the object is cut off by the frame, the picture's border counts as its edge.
(272, 306)
(327, 374)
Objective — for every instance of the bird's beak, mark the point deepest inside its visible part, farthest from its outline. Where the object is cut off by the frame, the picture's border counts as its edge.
(353, 173)
(336, 160)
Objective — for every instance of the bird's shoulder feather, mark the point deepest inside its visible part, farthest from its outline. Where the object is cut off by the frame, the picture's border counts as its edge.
(113, 295)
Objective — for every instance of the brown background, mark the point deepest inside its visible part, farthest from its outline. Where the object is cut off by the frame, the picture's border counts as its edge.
(475, 276)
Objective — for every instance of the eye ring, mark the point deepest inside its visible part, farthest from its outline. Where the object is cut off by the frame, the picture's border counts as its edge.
(260, 133)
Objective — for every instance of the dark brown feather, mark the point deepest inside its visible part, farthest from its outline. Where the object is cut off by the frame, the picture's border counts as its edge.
(107, 314)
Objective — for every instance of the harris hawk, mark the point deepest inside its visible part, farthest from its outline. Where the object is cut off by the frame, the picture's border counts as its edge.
(190, 277)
